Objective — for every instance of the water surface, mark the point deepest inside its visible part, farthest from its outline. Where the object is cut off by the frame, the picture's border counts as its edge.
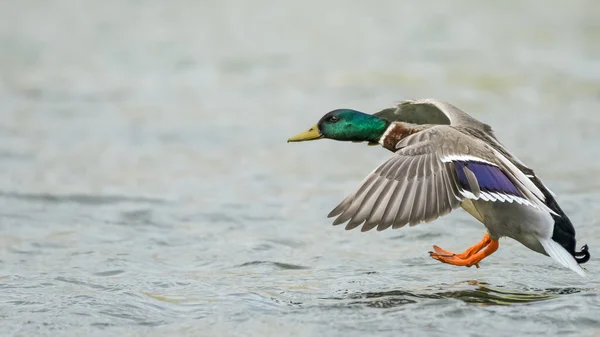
(147, 188)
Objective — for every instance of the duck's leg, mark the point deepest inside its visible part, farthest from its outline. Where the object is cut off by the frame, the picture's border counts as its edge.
(473, 260)
(471, 257)
(467, 253)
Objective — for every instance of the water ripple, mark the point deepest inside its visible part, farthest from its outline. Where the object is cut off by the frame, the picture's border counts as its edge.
(84, 199)
(480, 294)
(277, 265)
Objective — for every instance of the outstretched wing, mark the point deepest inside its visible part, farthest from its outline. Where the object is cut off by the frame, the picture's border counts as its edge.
(428, 176)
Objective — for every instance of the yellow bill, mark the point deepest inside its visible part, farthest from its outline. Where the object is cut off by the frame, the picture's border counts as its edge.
(312, 134)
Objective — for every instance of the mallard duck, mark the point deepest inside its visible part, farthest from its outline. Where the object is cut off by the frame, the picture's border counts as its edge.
(445, 159)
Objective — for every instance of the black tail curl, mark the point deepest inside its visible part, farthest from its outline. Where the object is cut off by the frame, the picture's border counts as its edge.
(582, 256)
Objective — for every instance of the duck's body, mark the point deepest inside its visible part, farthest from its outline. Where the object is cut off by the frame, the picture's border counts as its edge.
(444, 159)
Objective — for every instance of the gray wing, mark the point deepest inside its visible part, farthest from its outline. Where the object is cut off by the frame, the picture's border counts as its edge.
(420, 182)
(413, 186)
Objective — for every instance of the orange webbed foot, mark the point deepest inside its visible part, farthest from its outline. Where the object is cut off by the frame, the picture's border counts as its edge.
(470, 257)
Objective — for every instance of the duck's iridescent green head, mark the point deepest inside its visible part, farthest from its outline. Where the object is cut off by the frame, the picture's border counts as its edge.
(346, 125)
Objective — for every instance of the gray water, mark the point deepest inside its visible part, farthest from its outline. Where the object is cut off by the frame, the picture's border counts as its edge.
(147, 189)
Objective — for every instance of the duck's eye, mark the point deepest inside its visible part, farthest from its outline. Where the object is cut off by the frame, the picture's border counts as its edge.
(333, 119)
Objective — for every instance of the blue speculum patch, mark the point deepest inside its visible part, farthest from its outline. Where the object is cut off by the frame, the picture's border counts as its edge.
(490, 178)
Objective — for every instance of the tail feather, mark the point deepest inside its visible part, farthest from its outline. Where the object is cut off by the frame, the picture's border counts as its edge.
(564, 232)
(559, 254)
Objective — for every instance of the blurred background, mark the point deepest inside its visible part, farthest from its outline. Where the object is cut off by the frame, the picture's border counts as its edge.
(146, 186)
